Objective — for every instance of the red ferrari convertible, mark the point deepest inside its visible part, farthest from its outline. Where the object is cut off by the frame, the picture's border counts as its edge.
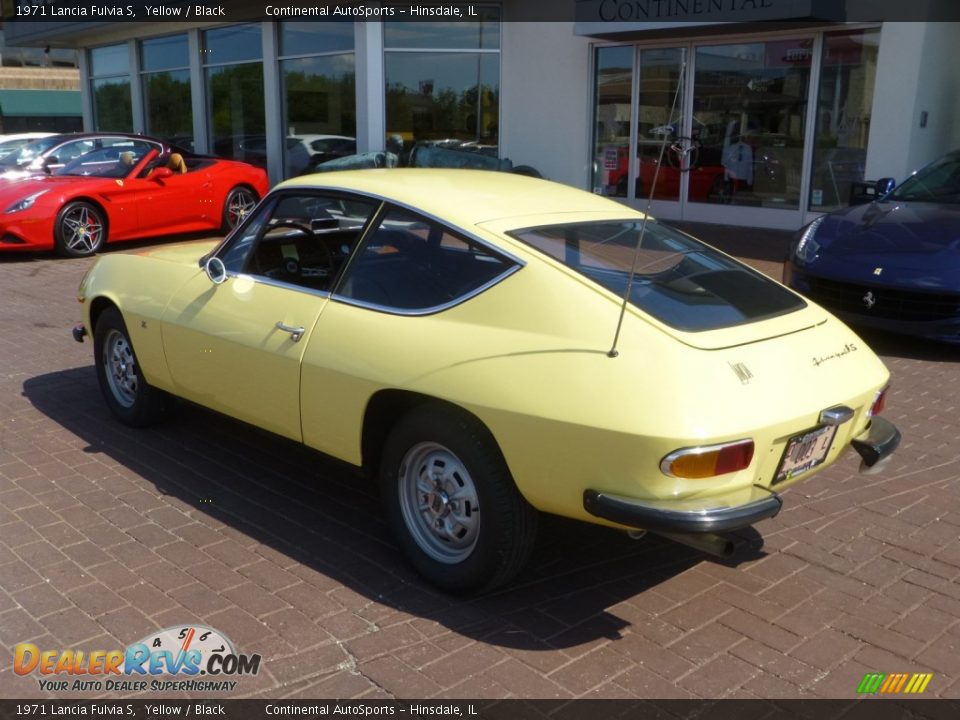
(125, 192)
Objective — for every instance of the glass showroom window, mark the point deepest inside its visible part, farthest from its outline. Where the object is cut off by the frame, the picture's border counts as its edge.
(319, 93)
(165, 74)
(443, 84)
(749, 110)
(611, 144)
(110, 86)
(847, 76)
(232, 57)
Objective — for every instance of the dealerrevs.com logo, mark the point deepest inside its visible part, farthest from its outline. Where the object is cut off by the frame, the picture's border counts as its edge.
(183, 653)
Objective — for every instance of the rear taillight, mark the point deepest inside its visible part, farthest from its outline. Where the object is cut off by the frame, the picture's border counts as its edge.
(879, 402)
(702, 462)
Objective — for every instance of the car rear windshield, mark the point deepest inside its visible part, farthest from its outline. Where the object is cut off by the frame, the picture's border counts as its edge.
(938, 182)
(678, 280)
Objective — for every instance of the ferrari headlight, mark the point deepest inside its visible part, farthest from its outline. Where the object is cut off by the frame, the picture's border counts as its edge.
(807, 247)
(25, 203)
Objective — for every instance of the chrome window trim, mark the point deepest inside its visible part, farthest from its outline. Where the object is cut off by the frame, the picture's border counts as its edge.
(264, 280)
(383, 205)
(417, 312)
(386, 201)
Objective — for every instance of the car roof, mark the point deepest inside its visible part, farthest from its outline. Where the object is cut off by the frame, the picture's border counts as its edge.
(466, 197)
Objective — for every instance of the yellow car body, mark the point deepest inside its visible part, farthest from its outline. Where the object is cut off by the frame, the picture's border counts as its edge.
(584, 432)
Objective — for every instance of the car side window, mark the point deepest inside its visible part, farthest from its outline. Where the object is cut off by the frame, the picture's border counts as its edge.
(302, 239)
(410, 263)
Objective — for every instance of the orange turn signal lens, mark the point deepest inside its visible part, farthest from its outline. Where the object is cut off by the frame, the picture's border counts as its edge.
(709, 461)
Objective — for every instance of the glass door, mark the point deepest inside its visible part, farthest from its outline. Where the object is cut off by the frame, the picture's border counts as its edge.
(665, 153)
(749, 115)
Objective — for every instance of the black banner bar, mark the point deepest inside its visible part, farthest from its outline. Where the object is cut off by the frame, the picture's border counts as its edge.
(874, 708)
(609, 12)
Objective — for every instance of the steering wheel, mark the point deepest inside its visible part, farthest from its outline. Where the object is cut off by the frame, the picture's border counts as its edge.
(683, 148)
(292, 267)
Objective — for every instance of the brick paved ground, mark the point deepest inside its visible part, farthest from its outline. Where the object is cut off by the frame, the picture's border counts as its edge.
(108, 533)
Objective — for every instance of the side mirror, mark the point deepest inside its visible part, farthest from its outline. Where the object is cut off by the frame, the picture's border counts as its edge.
(885, 185)
(216, 270)
(161, 173)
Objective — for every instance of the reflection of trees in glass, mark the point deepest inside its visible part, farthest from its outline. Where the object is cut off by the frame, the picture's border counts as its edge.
(168, 104)
(320, 103)
(112, 107)
(444, 113)
(236, 100)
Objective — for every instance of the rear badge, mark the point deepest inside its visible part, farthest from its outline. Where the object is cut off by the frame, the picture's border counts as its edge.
(741, 371)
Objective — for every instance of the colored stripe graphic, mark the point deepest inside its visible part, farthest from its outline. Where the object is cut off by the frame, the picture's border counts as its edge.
(871, 683)
(913, 683)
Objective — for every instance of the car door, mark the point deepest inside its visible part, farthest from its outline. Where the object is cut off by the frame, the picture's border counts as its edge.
(236, 347)
(180, 202)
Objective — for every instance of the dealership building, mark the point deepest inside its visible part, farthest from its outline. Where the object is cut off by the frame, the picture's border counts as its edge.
(764, 114)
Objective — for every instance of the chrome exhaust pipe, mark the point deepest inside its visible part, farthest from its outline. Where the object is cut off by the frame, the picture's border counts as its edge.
(721, 546)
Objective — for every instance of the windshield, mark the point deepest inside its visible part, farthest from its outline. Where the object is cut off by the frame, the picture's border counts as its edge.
(26, 154)
(680, 281)
(938, 182)
(111, 162)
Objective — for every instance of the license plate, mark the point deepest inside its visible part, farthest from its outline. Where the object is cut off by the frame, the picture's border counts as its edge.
(805, 451)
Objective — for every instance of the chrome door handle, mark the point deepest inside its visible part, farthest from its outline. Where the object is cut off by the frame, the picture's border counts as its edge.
(295, 332)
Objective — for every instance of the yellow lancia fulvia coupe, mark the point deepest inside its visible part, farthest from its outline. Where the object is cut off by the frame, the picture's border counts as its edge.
(490, 347)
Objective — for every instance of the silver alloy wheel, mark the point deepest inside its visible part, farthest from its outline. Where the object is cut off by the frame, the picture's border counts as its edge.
(121, 368)
(83, 230)
(439, 502)
(239, 205)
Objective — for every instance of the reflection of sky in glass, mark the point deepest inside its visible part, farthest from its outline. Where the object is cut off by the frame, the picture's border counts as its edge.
(236, 43)
(303, 38)
(165, 53)
(449, 35)
(110, 60)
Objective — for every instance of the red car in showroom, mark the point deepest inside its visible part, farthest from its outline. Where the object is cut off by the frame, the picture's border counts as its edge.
(131, 188)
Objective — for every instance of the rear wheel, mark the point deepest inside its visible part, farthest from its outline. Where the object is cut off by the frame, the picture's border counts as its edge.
(131, 399)
(240, 202)
(450, 498)
(80, 230)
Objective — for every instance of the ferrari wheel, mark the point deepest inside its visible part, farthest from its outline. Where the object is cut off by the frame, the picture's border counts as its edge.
(131, 399)
(450, 498)
(240, 202)
(80, 230)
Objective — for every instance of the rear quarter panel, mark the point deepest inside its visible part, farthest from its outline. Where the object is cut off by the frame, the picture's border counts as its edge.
(529, 358)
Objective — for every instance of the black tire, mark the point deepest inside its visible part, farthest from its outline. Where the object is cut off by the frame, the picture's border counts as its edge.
(131, 399)
(80, 230)
(505, 524)
(239, 203)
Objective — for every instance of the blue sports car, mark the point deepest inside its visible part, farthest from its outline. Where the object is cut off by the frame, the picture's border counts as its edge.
(893, 264)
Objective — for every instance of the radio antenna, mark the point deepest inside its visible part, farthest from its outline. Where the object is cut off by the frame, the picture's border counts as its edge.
(677, 146)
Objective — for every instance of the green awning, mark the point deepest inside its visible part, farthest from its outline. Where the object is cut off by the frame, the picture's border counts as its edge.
(40, 103)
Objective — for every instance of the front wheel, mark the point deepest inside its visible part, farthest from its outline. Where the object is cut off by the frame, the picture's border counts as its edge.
(452, 502)
(80, 230)
(131, 399)
(240, 202)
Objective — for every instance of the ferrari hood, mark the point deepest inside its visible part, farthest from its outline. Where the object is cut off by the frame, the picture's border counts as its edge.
(910, 235)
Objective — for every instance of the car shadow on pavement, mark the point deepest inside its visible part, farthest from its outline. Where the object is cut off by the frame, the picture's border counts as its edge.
(910, 348)
(323, 515)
